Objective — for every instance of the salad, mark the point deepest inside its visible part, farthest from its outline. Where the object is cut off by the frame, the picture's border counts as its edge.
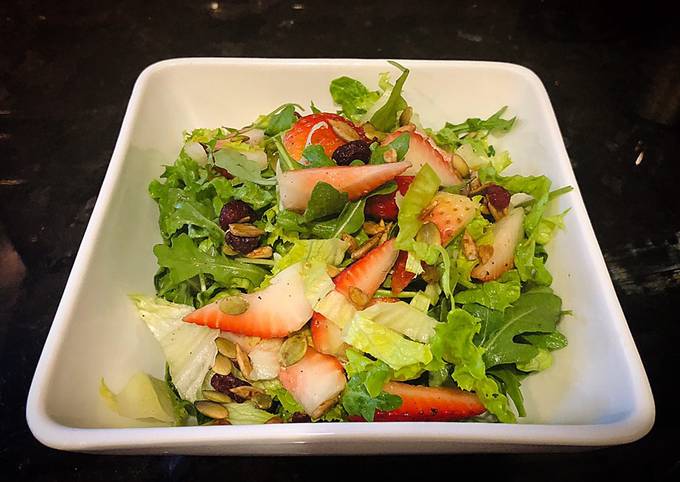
(347, 266)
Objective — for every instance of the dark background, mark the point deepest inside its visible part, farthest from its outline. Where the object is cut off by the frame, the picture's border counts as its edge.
(67, 70)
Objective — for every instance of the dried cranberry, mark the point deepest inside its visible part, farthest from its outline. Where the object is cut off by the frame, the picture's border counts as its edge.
(300, 418)
(351, 151)
(223, 172)
(241, 244)
(235, 211)
(224, 384)
(498, 196)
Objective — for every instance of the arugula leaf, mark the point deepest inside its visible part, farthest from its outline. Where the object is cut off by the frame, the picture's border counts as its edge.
(497, 294)
(349, 221)
(357, 401)
(400, 145)
(533, 312)
(241, 167)
(254, 194)
(353, 97)
(451, 135)
(184, 261)
(286, 163)
(548, 341)
(374, 373)
(179, 208)
(385, 119)
(324, 201)
(279, 120)
(316, 156)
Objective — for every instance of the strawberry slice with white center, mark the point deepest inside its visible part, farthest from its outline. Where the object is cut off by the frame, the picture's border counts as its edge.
(296, 186)
(366, 274)
(315, 382)
(316, 129)
(507, 233)
(430, 404)
(423, 150)
(327, 335)
(450, 213)
(264, 316)
(369, 272)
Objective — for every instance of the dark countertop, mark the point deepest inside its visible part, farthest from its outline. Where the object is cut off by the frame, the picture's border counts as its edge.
(67, 70)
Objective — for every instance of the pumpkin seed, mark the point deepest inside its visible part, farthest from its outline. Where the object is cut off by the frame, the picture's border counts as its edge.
(324, 407)
(332, 271)
(429, 233)
(366, 247)
(262, 401)
(343, 130)
(226, 249)
(243, 230)
(262, 252)
(405, 117)
(243, 361)
(246, 391)
(233, 305)
(485, 252)
(212, 409)
(372, 228)
(226, 347)
(372, 133)
(293, 349)
(215, 396)
(358, 298)
(274, 419)
(222, 365)
(390, 155)
(469, 247)
(349, 239)
(460, 165)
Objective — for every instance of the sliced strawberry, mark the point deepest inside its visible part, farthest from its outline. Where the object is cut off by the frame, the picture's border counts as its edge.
(296, 186)
(423, 150)
(450, 213)
(384, 206)
(315, 129)
(400, 277)
(430, 404)
(369, 272)
(263, 316)
(327, 336)
(507, 233)
(315, 382)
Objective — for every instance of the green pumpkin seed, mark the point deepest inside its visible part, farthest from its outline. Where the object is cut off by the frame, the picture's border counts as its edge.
(233, 305)
(226, 347)
(212, 409)
(293, 349)
(222, 365)
(262, 400)
(215, 396)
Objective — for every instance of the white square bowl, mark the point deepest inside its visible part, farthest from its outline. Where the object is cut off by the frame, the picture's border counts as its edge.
(596, 393)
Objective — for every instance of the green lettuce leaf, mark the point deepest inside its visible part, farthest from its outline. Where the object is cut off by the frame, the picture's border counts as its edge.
(189, 349)
(385, 344)
(418, 197)
(510, 381)
(327, 251)
(143, 398)
(274, 389)
(453, 343)
(497, 295)
(246, 414)
(402, 318)
(353, 97)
